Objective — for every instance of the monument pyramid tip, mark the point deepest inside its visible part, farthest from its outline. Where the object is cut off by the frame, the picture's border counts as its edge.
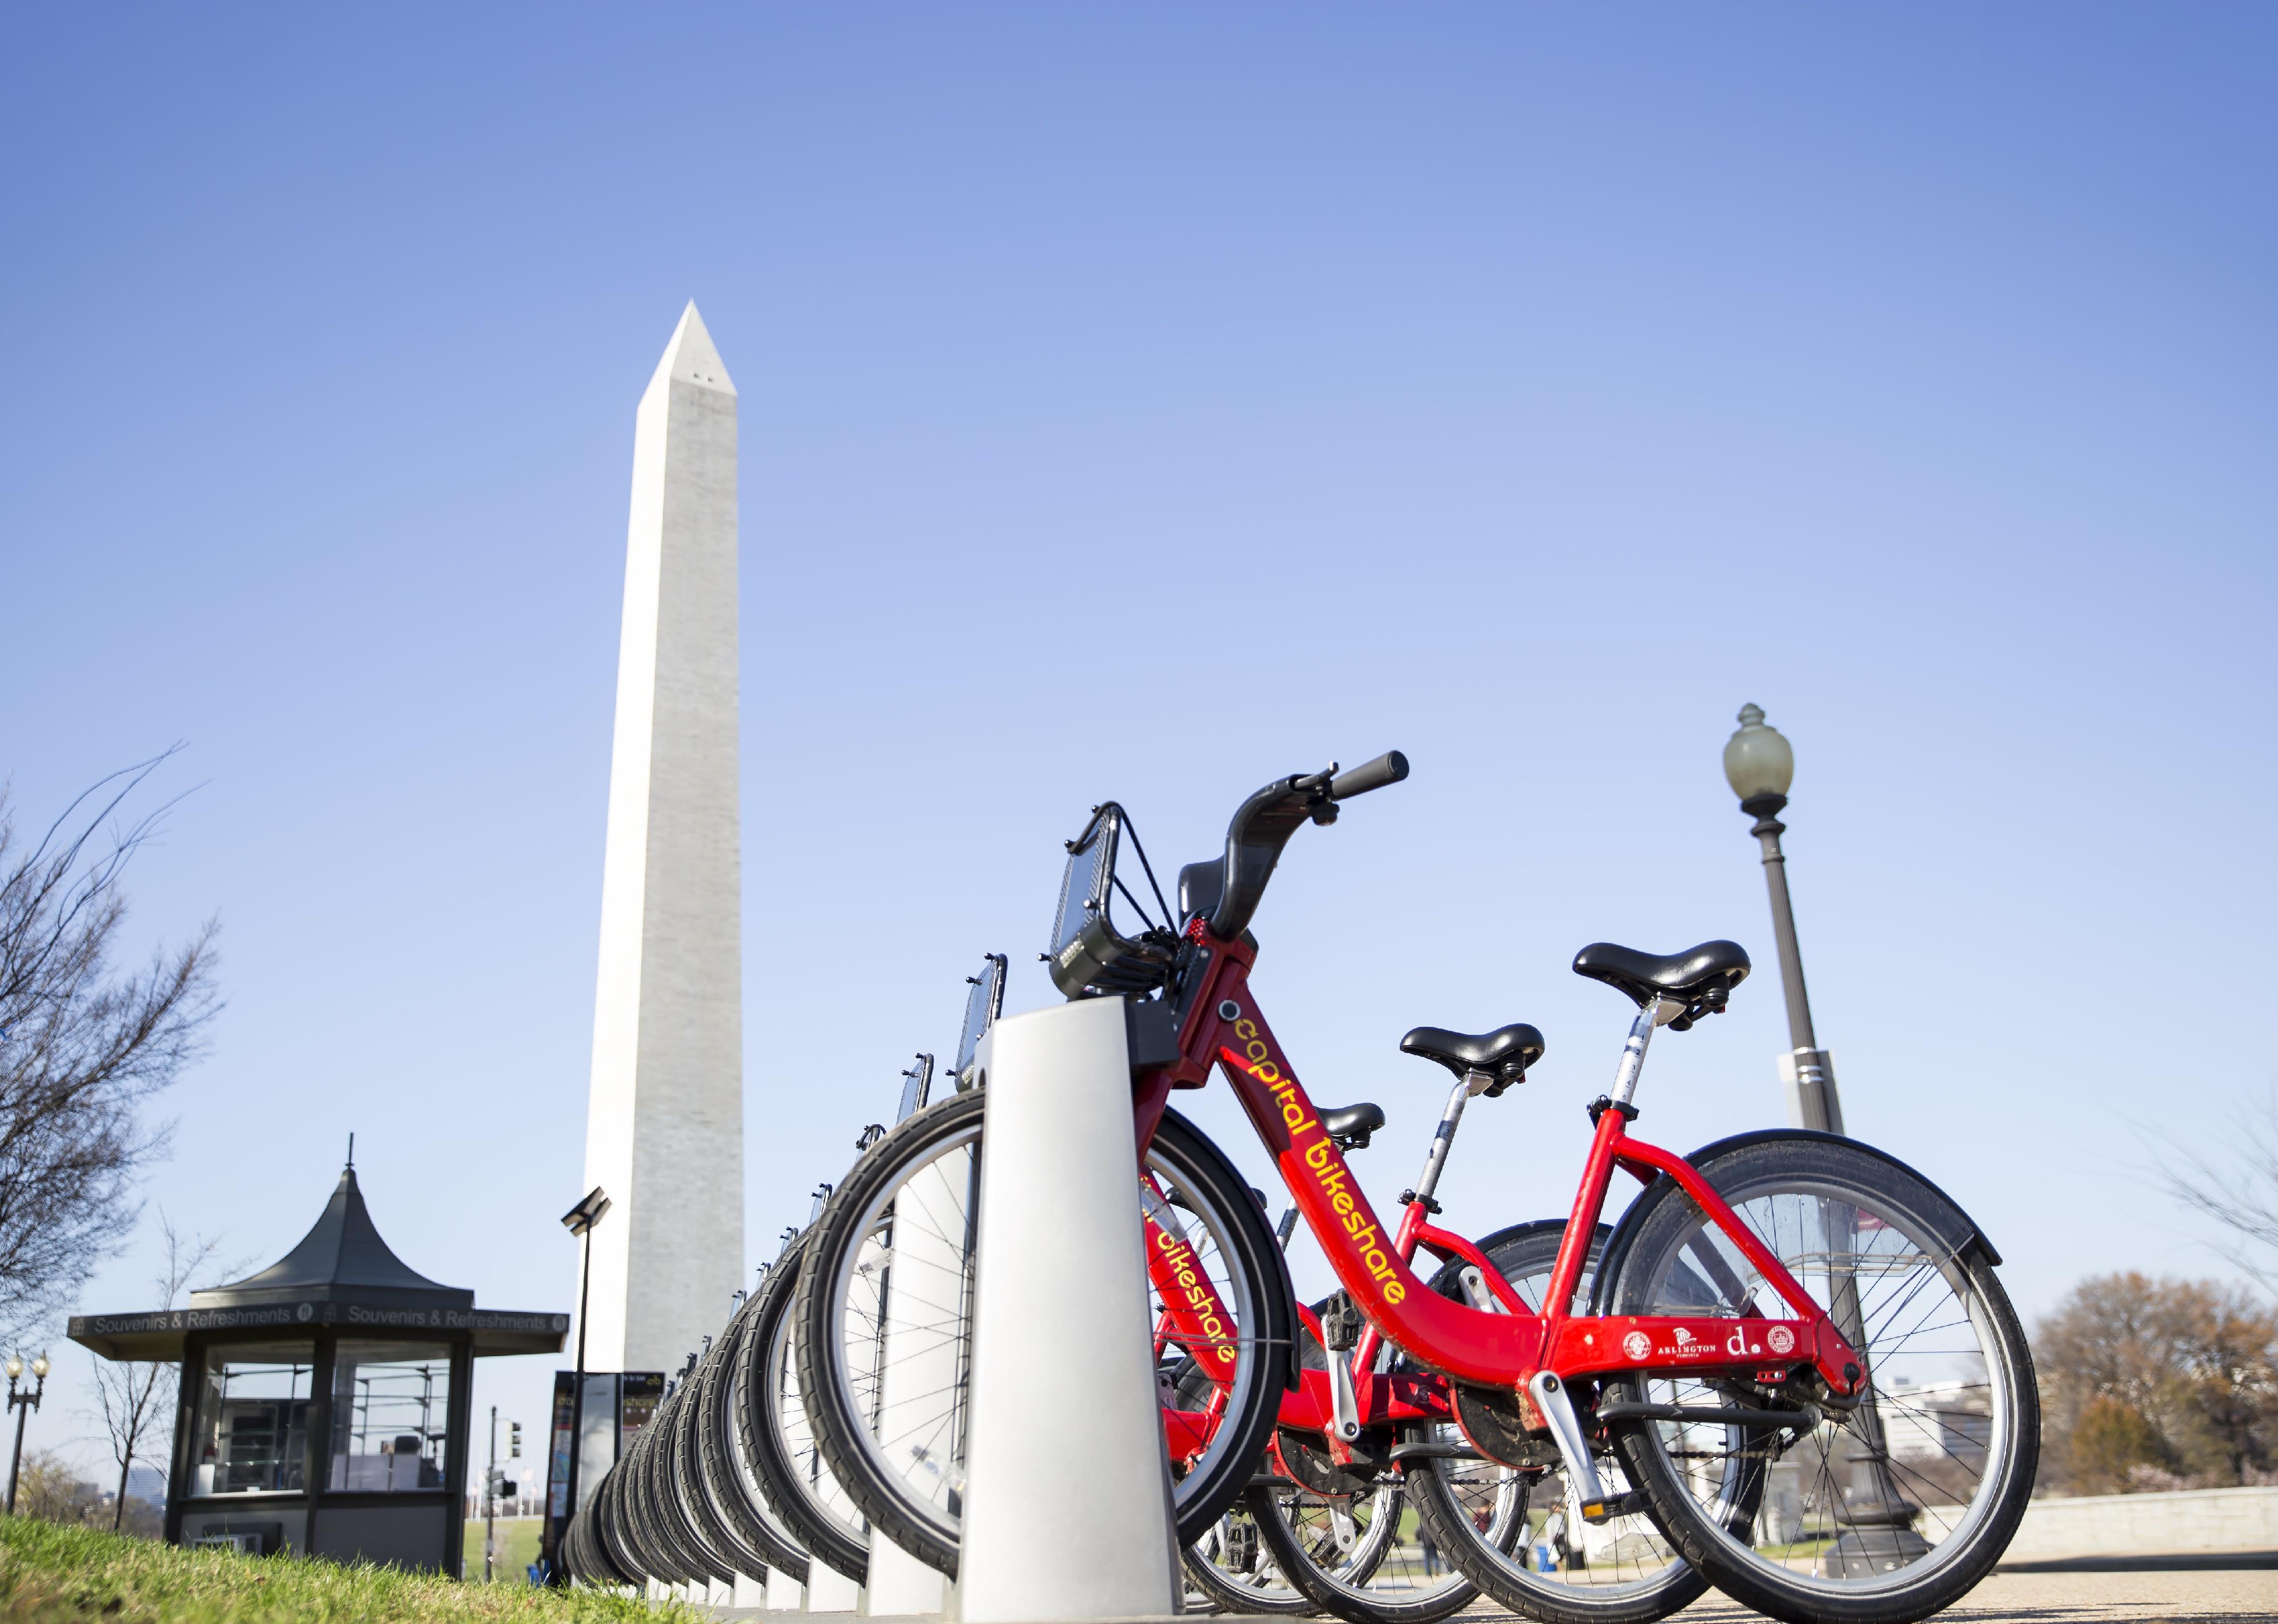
(692, 357)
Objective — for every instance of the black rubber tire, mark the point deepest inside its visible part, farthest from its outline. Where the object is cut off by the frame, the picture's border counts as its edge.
(685, 1549)
(663, 1561)
(737, 1497)
(1198, 1499)
(1820, 1166)
(823, 1539)
(722, 1531)
(608, 1533)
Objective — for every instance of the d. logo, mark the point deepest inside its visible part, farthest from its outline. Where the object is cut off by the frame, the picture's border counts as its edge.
(1637, 1345)
(1780, 1339)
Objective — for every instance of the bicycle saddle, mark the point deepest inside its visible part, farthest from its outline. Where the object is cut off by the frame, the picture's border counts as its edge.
(1697, 978)
(1351, 1125)
(1504, 1054)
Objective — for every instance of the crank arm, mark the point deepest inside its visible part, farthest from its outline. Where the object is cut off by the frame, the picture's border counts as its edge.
(1582, 1485)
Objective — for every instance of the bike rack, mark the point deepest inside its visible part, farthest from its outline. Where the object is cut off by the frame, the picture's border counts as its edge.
(1061, 1328)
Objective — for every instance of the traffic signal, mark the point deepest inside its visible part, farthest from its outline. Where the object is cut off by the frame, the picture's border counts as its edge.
(514, 1440)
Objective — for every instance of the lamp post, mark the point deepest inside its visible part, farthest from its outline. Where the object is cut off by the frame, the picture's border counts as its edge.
(1760, 765)
(23, 1404)
(1878, 1535)
(580, 1220)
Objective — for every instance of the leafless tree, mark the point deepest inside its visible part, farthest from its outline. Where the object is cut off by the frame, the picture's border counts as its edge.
(83, 1043)
(2158, 1383)
(48, 1489)
(2238, 1188)
(133, 1396)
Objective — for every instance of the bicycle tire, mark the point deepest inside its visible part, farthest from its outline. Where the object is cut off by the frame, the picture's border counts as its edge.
(723, 1530)
(1867, 1227)
(790, 1492)
(1573, 1592)
(728, 1476)
(1343, 1587)
(698, 1564)
(608, 1533)
(1250, 1258)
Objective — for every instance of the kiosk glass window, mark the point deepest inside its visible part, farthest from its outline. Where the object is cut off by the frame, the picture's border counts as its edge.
(391, 1406)
(253, 1419)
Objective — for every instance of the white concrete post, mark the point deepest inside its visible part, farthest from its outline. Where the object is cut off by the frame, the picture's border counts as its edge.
(785, 1594)
(1067, 1508)
(828, 1590)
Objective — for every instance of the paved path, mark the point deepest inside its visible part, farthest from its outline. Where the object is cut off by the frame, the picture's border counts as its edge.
(2181, 1588)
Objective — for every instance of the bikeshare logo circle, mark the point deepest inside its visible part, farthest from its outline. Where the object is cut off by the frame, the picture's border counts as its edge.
(1780, 1339)
(1637, 1345)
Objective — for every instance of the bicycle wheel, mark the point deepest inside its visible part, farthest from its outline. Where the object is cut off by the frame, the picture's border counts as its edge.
(778, 1430)
(1232, 1566)
(885, 1321)
(1892, 1508)
(729, 1479)
(1512, 1531)
(1367, 1558)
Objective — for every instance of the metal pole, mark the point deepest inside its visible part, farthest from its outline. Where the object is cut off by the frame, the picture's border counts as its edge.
(1821, 1107)
(23, 1404)
(578, 1388)
(1880, 1520)
(490, 1501)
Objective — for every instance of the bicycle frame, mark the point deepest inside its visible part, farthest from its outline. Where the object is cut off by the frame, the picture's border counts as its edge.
(1504, 1347)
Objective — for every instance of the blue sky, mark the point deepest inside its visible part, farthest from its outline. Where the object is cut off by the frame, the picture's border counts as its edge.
(1146, 402)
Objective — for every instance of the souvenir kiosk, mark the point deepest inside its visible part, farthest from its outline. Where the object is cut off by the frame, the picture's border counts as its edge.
(324, 1402)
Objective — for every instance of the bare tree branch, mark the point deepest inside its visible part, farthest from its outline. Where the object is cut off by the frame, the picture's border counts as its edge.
(132, 1398)
(82, 1044)
(2239, 1190)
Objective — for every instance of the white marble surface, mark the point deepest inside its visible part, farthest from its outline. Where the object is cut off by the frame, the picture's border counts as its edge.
(665, 1118)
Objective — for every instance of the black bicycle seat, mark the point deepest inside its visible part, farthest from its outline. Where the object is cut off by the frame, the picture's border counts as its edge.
(1351, 1125)
(1504, 1054)
(1703, 974)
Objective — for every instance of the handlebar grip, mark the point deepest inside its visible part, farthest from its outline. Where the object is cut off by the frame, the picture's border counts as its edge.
(1389, 768)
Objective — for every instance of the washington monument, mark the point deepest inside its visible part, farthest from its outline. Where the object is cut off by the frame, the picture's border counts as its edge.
(664, 1127)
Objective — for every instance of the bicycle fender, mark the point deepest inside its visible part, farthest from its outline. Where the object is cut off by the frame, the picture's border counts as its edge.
(1946, 1219)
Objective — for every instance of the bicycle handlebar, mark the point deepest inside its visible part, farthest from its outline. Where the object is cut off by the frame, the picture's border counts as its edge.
(1389, 768)
(1265, 822)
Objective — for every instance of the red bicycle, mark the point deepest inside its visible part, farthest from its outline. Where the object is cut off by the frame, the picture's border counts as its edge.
(1794, 1371)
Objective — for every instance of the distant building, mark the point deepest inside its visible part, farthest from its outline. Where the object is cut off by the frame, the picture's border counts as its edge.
(325, 1404)
(1938, 1420)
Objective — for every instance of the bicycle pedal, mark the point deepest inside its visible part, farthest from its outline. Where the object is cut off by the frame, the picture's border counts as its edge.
(1629, 1504)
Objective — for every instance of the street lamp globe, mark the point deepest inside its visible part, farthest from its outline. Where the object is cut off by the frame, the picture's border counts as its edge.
(1758, 763)
(15, 1366)
(40, 1367)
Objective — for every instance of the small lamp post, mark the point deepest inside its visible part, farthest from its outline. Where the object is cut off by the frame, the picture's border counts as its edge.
(23, 1404)
(580, 1220)
(1760, 764)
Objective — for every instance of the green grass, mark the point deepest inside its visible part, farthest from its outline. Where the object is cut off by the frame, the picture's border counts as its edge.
(50, 1573)
(517, 1538)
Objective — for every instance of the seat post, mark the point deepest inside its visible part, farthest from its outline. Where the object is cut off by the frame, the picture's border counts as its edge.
(1443, 1138)
(1649, 1015)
